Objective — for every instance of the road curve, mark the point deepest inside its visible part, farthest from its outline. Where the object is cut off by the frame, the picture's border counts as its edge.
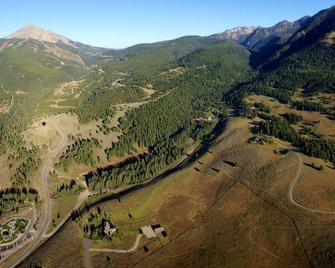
(47, 208)
(291, 191)
(131, 249)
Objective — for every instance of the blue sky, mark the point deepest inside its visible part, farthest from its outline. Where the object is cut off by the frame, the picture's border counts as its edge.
(121, 23)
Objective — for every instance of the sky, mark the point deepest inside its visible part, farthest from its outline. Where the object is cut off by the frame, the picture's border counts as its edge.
(121, 23)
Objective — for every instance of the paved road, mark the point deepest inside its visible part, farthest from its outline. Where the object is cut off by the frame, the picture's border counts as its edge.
(47, 207)
(291, 191)
(129, 250)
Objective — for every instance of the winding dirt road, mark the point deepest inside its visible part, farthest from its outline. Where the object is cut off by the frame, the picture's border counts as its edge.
(11, 103)
(131, 249)
(47, 202)
(291, 191)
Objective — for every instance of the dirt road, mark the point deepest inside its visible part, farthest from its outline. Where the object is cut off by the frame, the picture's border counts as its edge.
(131, 249)
(11, 103)
(87, 256)
(291, 191)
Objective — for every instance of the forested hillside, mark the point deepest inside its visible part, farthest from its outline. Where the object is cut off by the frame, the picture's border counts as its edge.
(193, 78)
(147, 58)
(191, 96)
(306, 61)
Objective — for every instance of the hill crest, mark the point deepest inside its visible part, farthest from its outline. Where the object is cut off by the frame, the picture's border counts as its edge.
(40, 34)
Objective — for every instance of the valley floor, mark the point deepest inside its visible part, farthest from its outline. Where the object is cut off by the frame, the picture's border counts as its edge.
(265, 208)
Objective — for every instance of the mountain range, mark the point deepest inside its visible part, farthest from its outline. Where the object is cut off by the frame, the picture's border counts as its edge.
(33, 57)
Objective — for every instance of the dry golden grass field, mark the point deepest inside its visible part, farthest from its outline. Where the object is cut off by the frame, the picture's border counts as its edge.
(218, 216)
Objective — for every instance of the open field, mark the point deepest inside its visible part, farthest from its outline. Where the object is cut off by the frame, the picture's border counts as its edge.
(62, 207)
(315, 188)
(200, 193)
(42, 133)
(4, 172)
(235, 216)
(62, 250)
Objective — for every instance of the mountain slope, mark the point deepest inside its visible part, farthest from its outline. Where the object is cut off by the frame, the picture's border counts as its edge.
(27, 64)
(33, 58)
(148, 58)
(317, 31)
(224, 57)
(280, 32)
(34, 32)
(308, 58)
(151, 57)
(262, 41)
(306, 61)
(238, 34)
(265, 41)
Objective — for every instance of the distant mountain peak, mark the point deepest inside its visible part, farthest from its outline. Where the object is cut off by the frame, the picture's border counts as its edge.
(238, 34)
(37, 33)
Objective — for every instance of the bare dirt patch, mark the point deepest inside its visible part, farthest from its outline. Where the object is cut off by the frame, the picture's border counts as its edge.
(330, 38)
(175, 71)
(40, 134)
(149, 90)
(68, 88)
(20, 92)
(117, 83)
